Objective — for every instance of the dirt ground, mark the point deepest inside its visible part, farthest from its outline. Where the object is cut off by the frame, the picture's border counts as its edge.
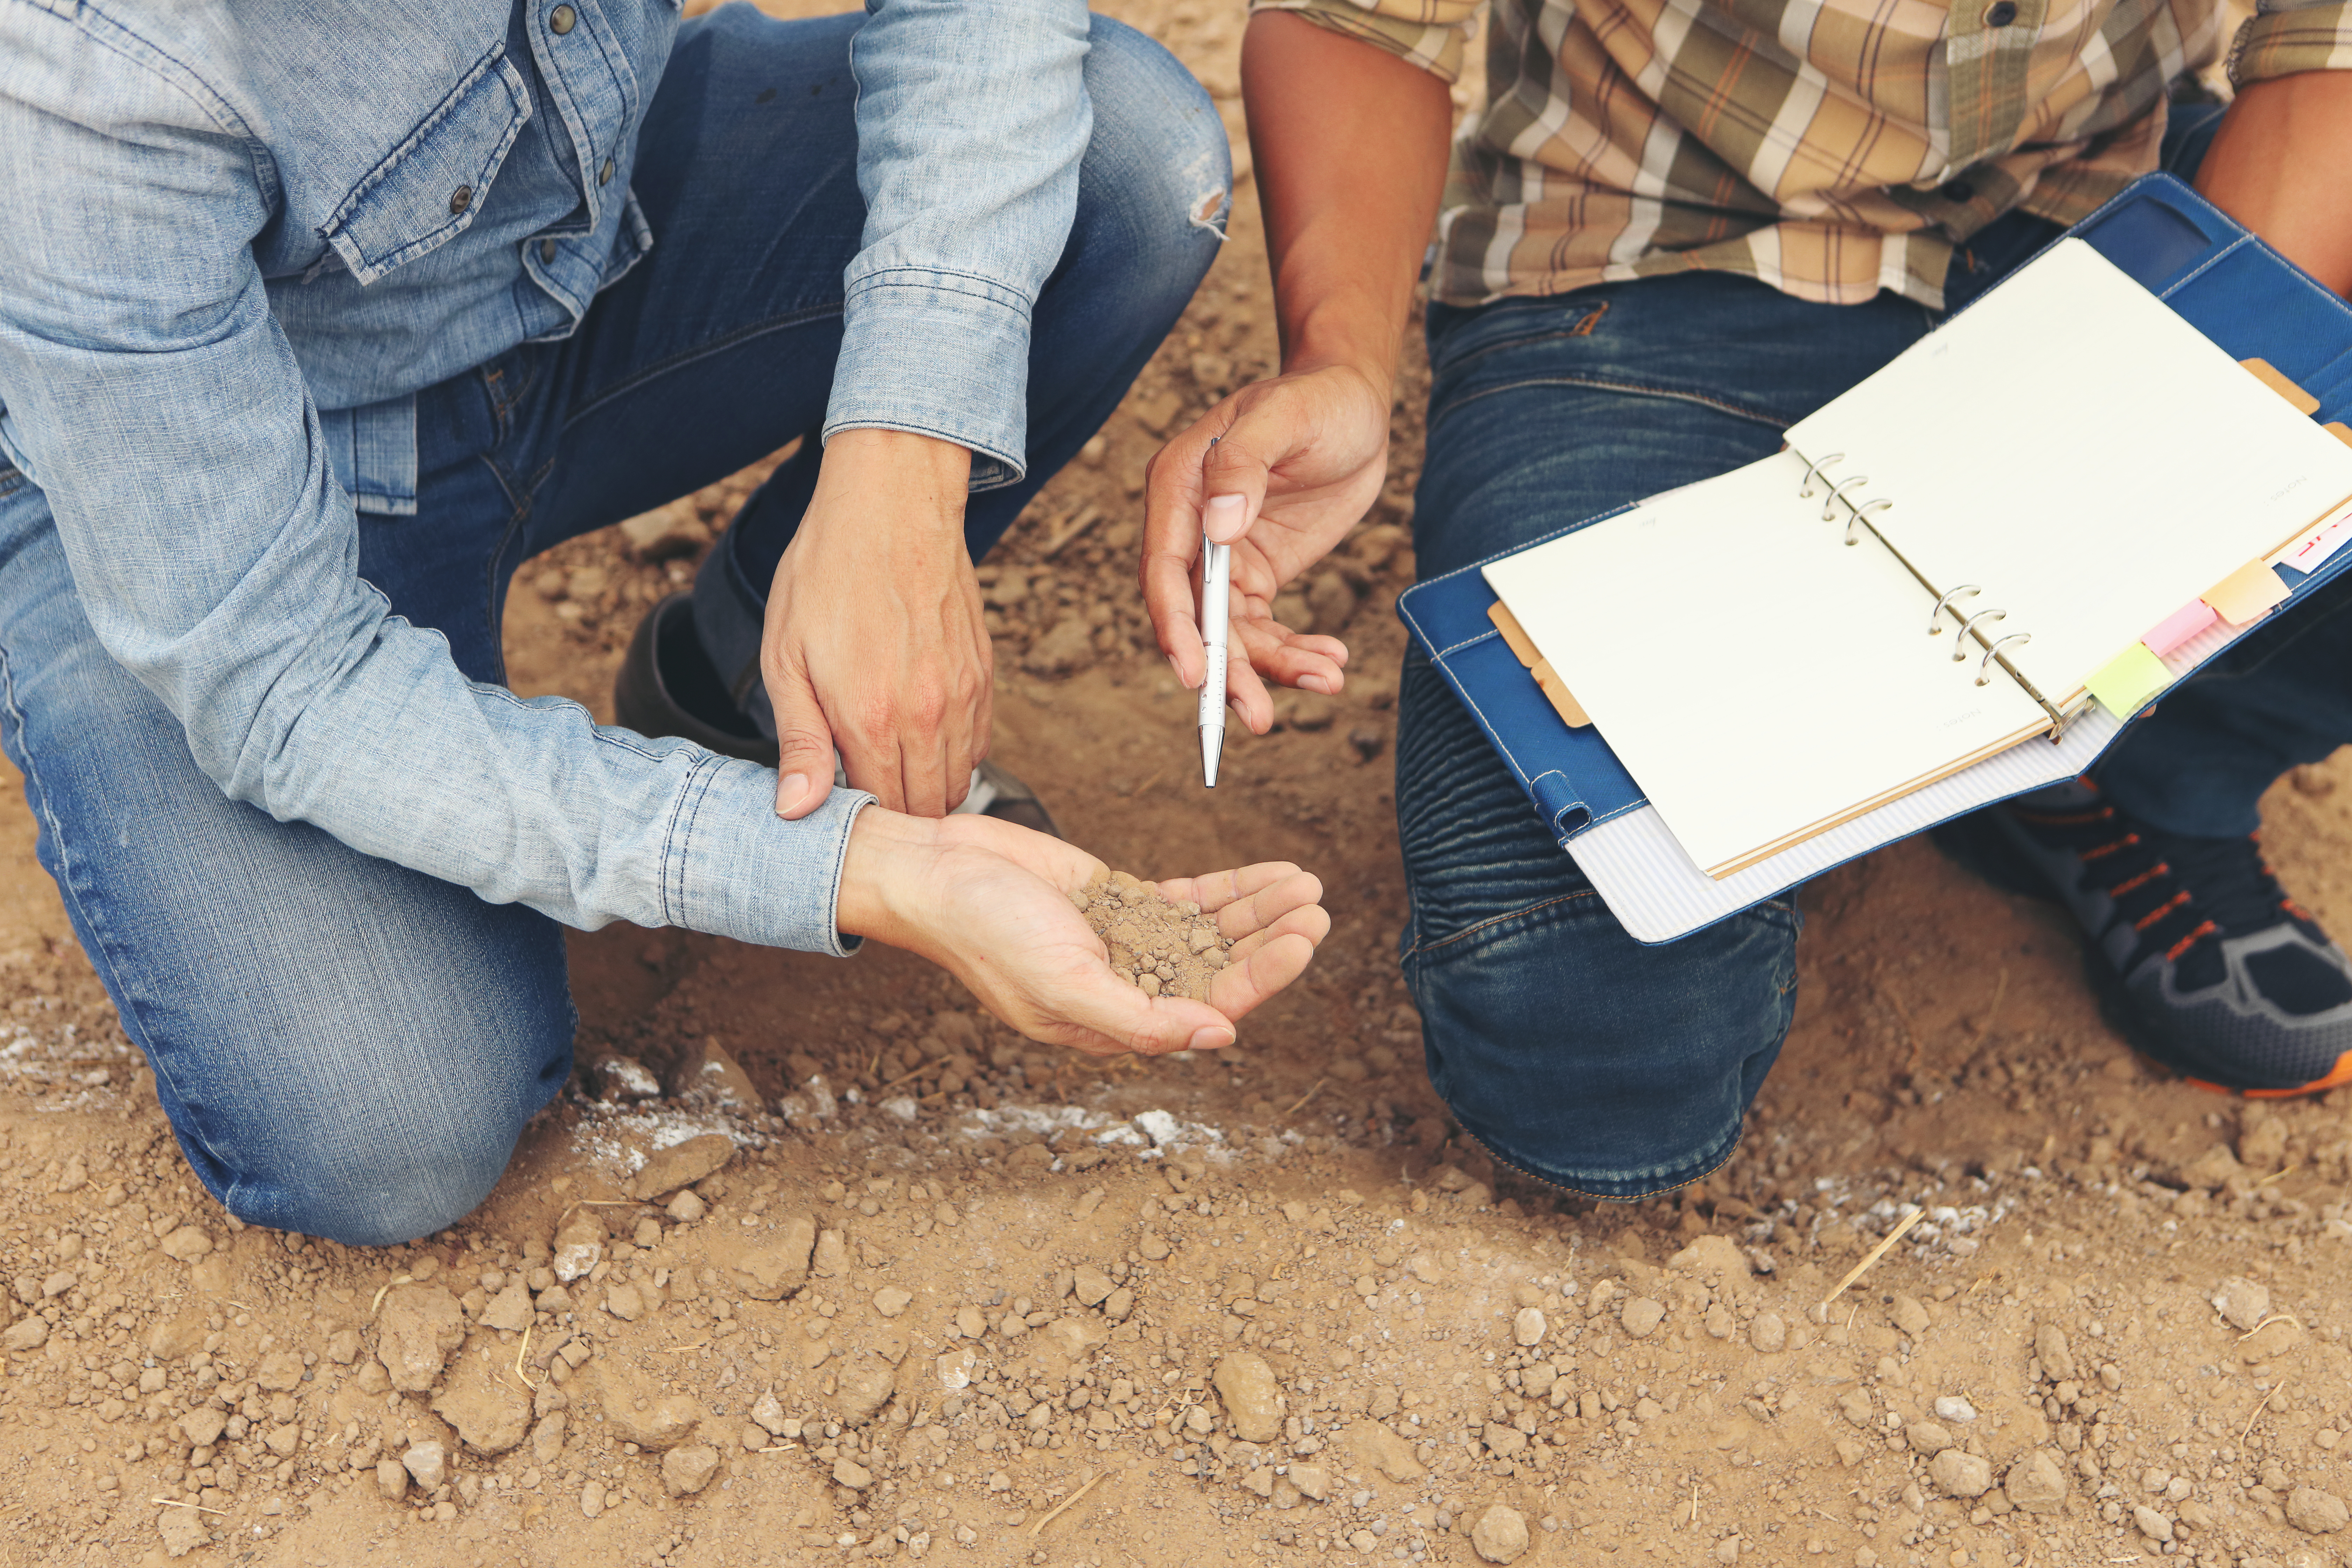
(936, 1291)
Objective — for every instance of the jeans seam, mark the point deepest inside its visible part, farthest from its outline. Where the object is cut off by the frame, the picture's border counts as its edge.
(1519, 1169)
(1421, 949)
(686, 357)
(1605, 384)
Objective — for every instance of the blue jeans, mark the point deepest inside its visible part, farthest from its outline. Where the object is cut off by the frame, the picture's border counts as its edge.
(348, 1048)
(1574, 1053)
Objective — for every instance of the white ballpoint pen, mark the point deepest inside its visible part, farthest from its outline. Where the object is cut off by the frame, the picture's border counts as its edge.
(1216, 587)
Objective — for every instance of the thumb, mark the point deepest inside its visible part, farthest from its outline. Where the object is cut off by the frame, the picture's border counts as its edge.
(803, 744)
(1232, 478)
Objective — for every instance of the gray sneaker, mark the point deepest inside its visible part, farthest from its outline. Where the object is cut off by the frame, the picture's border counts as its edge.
(2200, 960)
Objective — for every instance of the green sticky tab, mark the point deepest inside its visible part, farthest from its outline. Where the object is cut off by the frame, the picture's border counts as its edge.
(2129, 681)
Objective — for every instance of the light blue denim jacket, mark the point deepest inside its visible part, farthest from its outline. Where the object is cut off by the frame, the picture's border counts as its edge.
(243, 234)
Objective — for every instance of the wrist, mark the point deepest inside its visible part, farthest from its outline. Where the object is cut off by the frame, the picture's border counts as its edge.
(919, 479)
(880, 865)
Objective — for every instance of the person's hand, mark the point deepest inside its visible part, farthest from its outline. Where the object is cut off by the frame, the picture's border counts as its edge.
(1295, 462)
(873, 642)
(990, 903)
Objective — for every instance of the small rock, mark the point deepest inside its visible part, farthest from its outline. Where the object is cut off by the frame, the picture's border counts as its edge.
(681, 1165)
(2316, 1513)
(29, 1334)
(1952, 1408)
(687, 1469)
(685, 1208)
(664, 1422)
(865, 1381)
(428, 1462)
(2242, 1303)
(1711, 1254)
(2036, 1484)
(2152, 1525)
(547, 1438)
(1960, 1474)
(1504, 1442)
(2057, 1358)
(2212, 1168)
(622, 1078)
(891, 1300)
(706, 1075)
(1313, 1481)
(1382, 1449)
(510, 1309)
(777, 1266)
(592, 1499)
(1527, 1327)
(1501, 1534)
(1769, 1333)
(579, 1246)
(1253, 1397)
(851, 1474)
(279, 1372)
(183, 1530)
(391, 1479)
(187, 1244)
(1910, 1315)
(1641, 1317)
(1092, 1286)
(1927, 1437)
(202, 1426)
(481, 1401)
(830, 1258)
(418, 1326)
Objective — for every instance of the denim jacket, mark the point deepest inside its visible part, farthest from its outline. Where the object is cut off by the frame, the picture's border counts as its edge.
(245, 233)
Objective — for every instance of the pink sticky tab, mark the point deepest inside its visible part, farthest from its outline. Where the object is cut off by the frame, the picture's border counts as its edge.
(2179, 626)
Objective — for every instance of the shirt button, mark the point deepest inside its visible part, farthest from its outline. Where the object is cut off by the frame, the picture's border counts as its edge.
(461, 198)
(546, 250)
(604, 175)
(559, 20)
(2000, 12)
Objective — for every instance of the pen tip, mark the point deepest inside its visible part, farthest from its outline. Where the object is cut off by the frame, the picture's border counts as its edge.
(1213, 742)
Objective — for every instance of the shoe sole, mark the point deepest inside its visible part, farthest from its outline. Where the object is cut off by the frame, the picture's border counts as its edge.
(1981, 849)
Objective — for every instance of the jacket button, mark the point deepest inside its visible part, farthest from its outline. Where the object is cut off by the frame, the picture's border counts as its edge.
(2000, 12)
(604, 175)
(461, 198)
(561, 19)
(546, 251)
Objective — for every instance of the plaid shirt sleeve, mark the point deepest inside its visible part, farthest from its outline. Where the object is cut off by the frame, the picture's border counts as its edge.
(2284, 36)
(1429, 33)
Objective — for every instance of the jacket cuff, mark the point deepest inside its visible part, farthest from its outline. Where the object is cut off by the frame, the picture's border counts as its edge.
(733, 867)
(2285, 39)
(938, 353)
(1431, 35)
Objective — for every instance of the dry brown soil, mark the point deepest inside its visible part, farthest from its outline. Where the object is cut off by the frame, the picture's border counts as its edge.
(958, 1296)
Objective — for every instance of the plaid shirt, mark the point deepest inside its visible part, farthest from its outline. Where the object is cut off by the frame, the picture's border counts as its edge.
(1831, 148)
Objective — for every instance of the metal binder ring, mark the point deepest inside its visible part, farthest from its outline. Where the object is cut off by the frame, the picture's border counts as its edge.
(1861, 514)
(1837, 494)
(1936, 615)
(1959, 651)
(1984, 666)
(1806, 491)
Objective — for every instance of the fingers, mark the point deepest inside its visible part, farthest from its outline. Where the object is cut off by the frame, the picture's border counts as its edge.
(1219, 891)
(1234, 474)
(1172, 545)
(1108, 1017)
(1301, 660)
(804, 756)
(1243, 984)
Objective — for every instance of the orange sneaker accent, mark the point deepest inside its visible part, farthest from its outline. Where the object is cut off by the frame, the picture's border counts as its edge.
(2162, 868)
(2126, 842)
(2341, 1076)
(2161, 910)
(2172, 954)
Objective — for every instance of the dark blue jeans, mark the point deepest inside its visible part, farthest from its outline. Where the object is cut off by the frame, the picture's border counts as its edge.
(1571, 1051)
(349, 1049)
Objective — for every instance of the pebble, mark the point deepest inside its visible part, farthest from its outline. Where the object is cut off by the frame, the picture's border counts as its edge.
(2035, 1484)
(1091, 1284)
(2316, 1513)
(2057, 1358)
(891, 1300)
(680, 1165)
(1501, 1534)
(428, 1462)
(1910, 1315)
(1952, 1408)
(1641, 1317)
(418, 1326)
(1527, 1328)
(510, 1309)
(1769, 1333)
(687, 1469)
(391, 1479)
(1253, 1398)
(1927, 1437)
(592, 1499)
(1960, 1474)
(187, 1244)
(685, 1208)
(2242, 1303)
(181, 1530)
(2152, 1525)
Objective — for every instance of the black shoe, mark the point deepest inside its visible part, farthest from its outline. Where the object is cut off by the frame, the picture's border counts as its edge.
(667, 685)
(2200, 961)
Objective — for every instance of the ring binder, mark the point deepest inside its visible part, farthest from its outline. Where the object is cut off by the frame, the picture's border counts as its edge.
(1837, 494)
(1984, 664)
(1970, 626)
(1805, 490)
(1936, 615)
(1862, 517)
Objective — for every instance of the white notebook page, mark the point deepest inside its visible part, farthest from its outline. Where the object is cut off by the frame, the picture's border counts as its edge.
(2087, 456)
(1758, 679)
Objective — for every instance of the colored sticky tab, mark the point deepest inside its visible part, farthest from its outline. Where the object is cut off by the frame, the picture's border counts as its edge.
(2178, 626)
(2270, 375)
(2247, 594)
(2129, 681)
(2307, 553)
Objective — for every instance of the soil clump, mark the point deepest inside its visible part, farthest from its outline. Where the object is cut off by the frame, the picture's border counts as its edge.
(1167, 949)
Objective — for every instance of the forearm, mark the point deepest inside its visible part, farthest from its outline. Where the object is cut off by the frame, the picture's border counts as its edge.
(2281, 165)
(1349, 144)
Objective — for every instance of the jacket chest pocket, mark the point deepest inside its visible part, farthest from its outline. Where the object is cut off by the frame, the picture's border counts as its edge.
(428, 189)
